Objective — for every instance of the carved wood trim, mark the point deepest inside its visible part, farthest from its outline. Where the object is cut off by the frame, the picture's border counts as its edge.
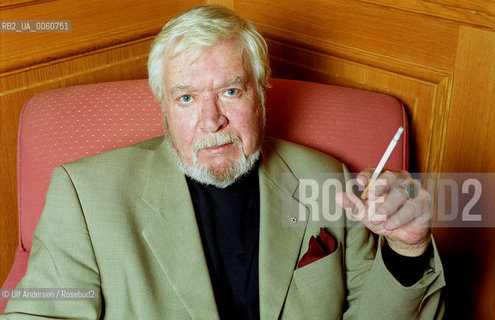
(473, 12)
(10, 4)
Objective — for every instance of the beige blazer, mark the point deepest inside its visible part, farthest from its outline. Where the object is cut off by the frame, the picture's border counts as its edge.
(122, 224)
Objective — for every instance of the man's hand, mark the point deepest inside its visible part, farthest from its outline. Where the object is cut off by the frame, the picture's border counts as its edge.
(388, 210)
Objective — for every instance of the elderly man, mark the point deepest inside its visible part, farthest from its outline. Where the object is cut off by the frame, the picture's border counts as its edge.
(188, 226)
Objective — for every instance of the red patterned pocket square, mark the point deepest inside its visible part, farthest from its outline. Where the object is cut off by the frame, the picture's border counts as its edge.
(318, 248)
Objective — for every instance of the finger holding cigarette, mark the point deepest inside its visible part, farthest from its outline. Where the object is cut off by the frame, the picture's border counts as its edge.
(393, 205)
(383, 161)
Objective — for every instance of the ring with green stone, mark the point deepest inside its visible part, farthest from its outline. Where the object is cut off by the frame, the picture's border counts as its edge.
(410, 190)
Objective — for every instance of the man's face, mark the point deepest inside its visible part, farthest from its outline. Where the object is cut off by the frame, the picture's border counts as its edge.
(208, 96)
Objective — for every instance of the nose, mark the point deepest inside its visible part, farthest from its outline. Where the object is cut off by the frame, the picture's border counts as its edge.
(212, 117)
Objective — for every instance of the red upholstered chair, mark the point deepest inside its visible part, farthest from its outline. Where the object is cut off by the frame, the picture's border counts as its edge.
(65, 124)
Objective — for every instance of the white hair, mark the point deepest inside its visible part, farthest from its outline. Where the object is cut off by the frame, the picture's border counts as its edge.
(203, 27)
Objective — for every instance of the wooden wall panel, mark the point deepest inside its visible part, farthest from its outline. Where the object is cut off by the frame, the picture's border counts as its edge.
(471, 124)
(95, 24)
(352, 23)
(470, 147)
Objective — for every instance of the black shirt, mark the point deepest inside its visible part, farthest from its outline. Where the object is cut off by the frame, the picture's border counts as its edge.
(228, 221)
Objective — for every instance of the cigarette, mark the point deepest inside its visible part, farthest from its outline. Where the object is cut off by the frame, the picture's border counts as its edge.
(383, 160)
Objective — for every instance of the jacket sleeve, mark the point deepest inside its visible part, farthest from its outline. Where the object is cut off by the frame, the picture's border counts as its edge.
(374, 293)
(62, 268)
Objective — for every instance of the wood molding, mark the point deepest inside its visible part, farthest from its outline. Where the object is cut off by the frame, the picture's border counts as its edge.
(10, 4)
(426, 72)
(130, 52)
(479, 13)
(227, 3)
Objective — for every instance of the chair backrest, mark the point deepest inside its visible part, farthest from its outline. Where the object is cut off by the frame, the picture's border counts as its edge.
(65, 124)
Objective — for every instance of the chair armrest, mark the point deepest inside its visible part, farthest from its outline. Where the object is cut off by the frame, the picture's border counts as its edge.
(16, 273)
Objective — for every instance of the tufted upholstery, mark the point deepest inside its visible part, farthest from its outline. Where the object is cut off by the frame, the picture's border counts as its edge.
(65, 124)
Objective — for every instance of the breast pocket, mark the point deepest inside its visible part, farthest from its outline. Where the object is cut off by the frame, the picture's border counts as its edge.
(317, 290)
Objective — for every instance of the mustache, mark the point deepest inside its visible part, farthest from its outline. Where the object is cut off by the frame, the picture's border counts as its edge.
(216, 140)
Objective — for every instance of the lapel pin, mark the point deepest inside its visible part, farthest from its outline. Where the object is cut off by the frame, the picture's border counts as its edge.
(293, 219)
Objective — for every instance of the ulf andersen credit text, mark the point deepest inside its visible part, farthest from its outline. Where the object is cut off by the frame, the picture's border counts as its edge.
(48, 294)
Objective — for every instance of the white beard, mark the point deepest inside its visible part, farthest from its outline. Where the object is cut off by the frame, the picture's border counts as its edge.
(208, 176)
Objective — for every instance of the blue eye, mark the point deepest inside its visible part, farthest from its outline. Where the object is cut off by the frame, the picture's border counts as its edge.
(231, 92)
(185, 98)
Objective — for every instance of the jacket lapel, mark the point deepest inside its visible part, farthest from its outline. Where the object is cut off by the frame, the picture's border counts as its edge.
(280, 233)
(173, 235)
